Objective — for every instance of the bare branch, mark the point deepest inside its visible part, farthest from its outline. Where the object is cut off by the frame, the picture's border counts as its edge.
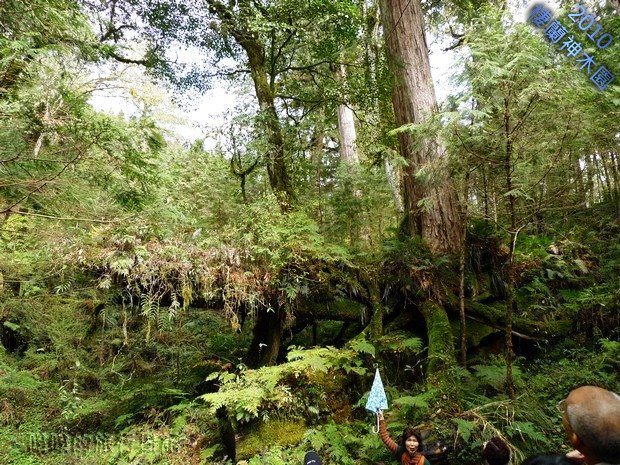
(68, 218)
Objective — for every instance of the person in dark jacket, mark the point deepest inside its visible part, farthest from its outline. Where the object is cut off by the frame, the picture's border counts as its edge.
(496, 452)
(550, 459)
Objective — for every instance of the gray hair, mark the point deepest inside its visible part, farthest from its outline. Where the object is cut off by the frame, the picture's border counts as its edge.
(597, 423)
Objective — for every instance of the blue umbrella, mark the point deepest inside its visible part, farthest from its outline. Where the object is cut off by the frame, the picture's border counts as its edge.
(377, 400)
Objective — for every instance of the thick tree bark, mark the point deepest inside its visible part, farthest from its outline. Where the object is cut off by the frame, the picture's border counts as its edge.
(431, 211)
(414, 101)
(373, 56)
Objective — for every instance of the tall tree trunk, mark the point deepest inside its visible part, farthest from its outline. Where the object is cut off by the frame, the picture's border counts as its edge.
(348, 156)
(376, 321)
(373, 78)
(513, 238)
(394, 185)
(414, 101)
(613, 161)
(348, 135)
(317, 162)
(346, 125)
(581, 190)
(539, 216)
(462, 257)
(494, 203)
(590, 191)
(276, 158)
(603, 165)
(599, 179)
(439, 222)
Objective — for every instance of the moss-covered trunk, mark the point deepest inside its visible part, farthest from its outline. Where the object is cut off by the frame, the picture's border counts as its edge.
(440, 341)
(375, 326)
(276, 159)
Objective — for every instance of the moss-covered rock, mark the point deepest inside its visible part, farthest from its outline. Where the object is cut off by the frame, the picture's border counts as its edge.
(277, 432)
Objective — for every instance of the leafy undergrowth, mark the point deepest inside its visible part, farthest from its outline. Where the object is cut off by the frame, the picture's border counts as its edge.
(291, 410)
(85, 380)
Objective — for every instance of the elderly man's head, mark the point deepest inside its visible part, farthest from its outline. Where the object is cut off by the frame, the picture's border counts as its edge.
(592, 421)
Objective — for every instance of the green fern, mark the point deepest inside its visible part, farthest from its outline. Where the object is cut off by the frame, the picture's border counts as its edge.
(464, 428)
(252, 392)
(495, 375)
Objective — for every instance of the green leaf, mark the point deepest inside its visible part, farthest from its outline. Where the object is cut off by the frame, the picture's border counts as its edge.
(525, 429)
(11, 325)
(362, 346)
(464, 428)
(358, 370)
(418, 401)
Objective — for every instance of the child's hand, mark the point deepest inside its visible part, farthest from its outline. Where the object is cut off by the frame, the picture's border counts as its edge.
(380, 415)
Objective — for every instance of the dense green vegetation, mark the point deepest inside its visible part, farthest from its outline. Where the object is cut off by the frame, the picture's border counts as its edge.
(162, 303)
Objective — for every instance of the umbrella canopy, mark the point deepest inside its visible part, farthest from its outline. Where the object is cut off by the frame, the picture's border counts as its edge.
(376, 399)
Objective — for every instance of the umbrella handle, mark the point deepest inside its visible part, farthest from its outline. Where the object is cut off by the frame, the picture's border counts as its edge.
(373, 428)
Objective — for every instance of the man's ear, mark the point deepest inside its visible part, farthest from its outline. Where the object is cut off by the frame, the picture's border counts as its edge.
(575, 441)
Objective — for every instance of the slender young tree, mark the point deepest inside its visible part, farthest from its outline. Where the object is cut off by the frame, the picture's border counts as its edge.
(346, 124)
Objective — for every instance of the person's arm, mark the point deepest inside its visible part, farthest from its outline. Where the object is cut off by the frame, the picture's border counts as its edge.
(385, 437)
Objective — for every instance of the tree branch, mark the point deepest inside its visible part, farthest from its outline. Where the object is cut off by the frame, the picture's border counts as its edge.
(65, 218)
(132, 61)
